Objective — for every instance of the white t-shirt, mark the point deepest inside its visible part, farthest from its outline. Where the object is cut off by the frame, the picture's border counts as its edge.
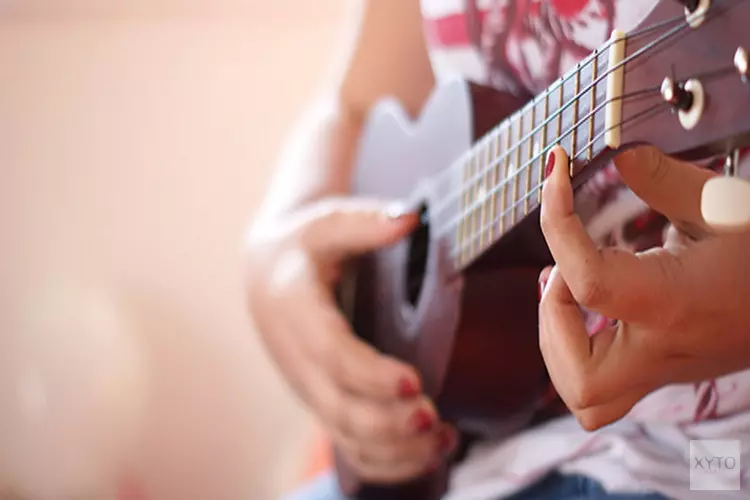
(525, 45)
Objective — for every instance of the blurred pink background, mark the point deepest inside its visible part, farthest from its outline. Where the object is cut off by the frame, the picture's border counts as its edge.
(136, 138)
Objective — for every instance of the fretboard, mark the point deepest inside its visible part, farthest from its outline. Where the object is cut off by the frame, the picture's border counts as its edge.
(502, 176)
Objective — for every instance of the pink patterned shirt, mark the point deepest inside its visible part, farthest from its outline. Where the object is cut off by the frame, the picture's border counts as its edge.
(522, 46)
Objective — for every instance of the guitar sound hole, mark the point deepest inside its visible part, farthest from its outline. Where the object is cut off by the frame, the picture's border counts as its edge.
(419, 245)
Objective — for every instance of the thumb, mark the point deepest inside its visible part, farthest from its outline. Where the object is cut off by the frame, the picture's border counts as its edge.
(350, 226)
(669, 186)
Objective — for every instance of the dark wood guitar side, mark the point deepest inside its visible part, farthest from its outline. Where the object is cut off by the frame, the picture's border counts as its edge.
(470, 325)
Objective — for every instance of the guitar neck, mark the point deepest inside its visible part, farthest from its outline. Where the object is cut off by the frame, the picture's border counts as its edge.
(501, 177)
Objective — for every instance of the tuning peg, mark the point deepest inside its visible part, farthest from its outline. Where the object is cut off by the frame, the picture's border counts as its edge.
(742, 63)
(695, 11)
(725, 201)
(690, 5)
(676, 95)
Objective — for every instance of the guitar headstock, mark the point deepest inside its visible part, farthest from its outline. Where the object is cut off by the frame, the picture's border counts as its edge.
(685, 88)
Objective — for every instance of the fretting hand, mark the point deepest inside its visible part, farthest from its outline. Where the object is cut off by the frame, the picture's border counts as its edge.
(682, 309)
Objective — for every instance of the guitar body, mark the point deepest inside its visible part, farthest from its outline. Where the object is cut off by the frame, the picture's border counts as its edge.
(405, 301)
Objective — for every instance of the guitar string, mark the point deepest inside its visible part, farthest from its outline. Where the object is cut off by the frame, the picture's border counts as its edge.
(477, 204)
(460, 161)
(477, 177)
(681, 19)
(420, 251)
(643, 114)
(462, 190)
(507, 123)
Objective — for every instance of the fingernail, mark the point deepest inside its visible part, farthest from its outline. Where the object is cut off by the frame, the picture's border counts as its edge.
(421, 420)
(396, 211)
(407, 388)
(550, 164)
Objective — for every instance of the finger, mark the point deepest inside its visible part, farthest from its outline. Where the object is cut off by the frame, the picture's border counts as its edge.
(611, 281)
(401, 461)
(425, 448)
(352, 364)
(595, 417)
(357, 367)
(572, 248)
(669, 186)
(340, 228)
(370, 421)
(599, 376)
(563, 339)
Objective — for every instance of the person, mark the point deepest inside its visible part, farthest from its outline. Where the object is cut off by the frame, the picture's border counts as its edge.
(628, 435)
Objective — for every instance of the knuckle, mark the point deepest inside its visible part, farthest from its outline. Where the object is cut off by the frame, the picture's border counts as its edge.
(356, 455)
(374, 424)
(546, 222)
(339, 414)
(331, 213)
(590, 291)
(591, 420)
(395, 451)
(329, 355)
(659, 165)
(673, 307)
(583, 394)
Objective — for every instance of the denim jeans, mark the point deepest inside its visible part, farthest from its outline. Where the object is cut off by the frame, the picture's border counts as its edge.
(552, 487)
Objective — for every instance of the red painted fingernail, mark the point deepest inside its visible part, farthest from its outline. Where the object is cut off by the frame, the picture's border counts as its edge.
(550, 164)
(421, 420)
(407, 388)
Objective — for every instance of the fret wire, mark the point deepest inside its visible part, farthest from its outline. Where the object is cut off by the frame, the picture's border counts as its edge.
(477, 211)
(493, 153)
(594, 96)
(542, 164)
(539, 186)
(506, 169)
(544, 125)
(672, 32)
(596, 138)
(574, 135)
(592, 104)
(467, 229)
(516, 166)
(557, 114)
(504, 185)
(531, 155)
(476, 174)
(485, 186)
(473, 207)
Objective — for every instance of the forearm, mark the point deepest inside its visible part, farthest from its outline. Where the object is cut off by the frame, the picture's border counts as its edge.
(315, 162)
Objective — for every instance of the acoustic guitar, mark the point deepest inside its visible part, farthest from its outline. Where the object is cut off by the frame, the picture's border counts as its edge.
(458, 298)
